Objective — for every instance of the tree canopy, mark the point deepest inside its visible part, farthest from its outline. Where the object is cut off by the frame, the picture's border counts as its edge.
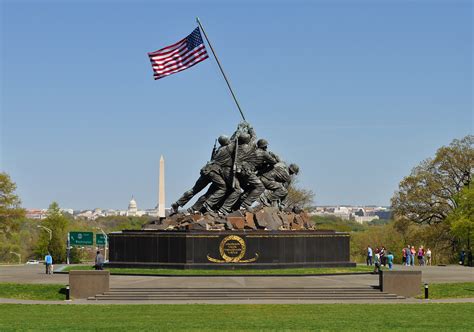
(10, 209)
(428, 194)
(58, 224)
(462, 218)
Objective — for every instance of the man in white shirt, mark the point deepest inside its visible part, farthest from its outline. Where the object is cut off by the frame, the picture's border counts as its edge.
(369, 256)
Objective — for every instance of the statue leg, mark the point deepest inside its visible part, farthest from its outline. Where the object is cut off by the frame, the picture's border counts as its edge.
(275, 191)
(200, 202)
(231, 199)
(256, 189)
(200, 184)
(220, 188)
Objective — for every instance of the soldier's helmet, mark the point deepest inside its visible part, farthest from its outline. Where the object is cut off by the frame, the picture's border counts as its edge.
(223, 140)
(294, 169)
(244, 138)
(262, 143)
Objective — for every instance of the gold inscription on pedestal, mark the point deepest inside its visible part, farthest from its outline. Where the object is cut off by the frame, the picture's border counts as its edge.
(232, 249)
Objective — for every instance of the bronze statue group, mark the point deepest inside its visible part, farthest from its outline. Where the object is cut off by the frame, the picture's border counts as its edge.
(241, 172)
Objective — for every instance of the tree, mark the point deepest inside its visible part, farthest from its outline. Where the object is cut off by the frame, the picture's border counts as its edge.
(10, 209)
(302, 198)
(58, 223)
(461, 220)
(428, 194)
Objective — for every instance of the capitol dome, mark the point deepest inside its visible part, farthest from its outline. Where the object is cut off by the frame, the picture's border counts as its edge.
(132, 205)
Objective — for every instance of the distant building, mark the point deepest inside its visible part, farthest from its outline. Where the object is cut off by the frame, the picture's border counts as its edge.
(132, 208)
(364, 219)
(360, 214)
(36, 213)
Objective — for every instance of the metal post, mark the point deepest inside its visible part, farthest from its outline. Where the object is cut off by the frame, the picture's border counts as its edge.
(68, 248)
(220, 67)
(50, 232)
(426, 291)
(68, 293)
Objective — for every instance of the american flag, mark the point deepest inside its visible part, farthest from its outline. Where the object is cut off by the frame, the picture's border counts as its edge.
(180, 56)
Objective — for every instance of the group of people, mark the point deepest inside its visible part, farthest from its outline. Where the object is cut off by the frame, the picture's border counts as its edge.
(409, 253)
(379, 257)
(241, 171)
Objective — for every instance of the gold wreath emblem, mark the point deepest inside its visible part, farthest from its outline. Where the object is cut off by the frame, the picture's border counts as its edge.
(232, 244)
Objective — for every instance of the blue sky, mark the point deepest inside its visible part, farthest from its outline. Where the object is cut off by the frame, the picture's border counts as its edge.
(355, 92)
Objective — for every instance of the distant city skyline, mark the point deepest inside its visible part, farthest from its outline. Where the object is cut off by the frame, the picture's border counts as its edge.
(355, 93)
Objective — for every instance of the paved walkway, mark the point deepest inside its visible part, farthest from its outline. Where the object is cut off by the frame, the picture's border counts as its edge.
(34, 274)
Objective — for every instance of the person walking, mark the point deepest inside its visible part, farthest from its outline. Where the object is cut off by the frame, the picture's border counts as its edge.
(404, 256)
(369, 255)
(382, 256)
(412, 255)
(377, 261)
(408, 254)
(421, 254)
(48, 261)
(99, 261)
(390, 260)
(428, 257)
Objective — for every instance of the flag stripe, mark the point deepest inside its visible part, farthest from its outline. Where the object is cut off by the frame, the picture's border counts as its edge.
(179, 56)
(170, 71)
(187, 65)
(175, 60)
(165, 49)
(169, 53)
(172, 68)
(180, 69)
(179, 51)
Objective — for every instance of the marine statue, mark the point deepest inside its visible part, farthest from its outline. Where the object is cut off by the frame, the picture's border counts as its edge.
(242, 173)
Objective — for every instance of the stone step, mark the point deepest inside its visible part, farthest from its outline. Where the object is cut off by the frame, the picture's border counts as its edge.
(205, 298)
(251, 292)
(184, 294)
(246, 289)
(242, 294)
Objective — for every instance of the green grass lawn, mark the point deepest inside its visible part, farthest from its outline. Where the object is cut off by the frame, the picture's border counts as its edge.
(302, 271)
(454, 290)
(355, 317)
(32, 291)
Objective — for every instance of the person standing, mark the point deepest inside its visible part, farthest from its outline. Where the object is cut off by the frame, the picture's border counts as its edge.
(383, 259)
(404, 256)
(412, 255)
(390, 260)
(48, 261)
(421, 254)
(369, 256)
(377, 261)
(99, 261)
(408, 253)
(428, 257)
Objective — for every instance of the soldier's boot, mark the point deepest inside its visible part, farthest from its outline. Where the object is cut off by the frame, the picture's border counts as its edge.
(223, 211)
(207, 208)
(263, 199)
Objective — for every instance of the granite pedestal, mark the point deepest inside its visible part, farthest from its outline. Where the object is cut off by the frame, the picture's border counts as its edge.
(229, 249)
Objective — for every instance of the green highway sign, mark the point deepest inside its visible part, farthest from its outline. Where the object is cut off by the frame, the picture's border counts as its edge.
(81, 238)
(100, 239)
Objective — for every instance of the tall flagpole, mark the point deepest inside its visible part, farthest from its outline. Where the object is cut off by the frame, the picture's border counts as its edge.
(220, 67)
